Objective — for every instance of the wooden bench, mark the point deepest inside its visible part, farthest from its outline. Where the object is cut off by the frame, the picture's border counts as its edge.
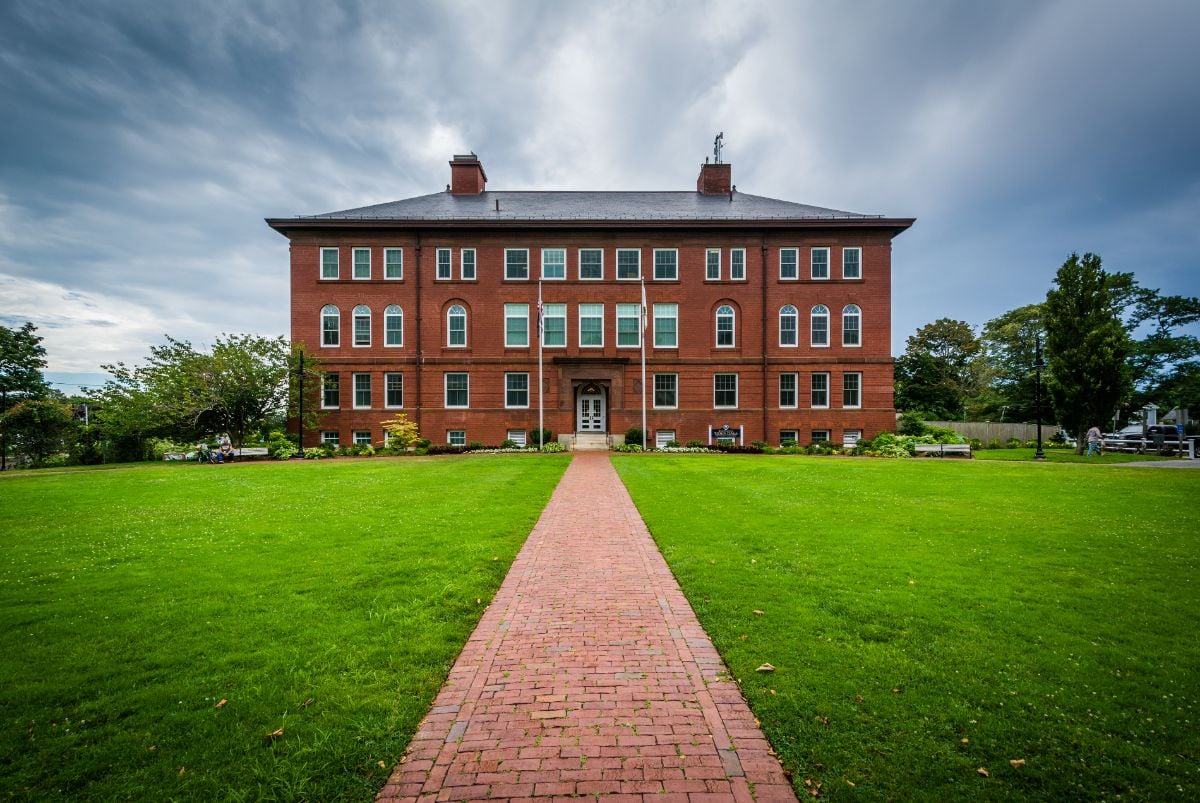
(943, 449)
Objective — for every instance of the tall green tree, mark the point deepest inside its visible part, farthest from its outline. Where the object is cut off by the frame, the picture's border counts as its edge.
(940, 370)
(1008, 345)
(1087, 346)
(22, 358)
(38, 428)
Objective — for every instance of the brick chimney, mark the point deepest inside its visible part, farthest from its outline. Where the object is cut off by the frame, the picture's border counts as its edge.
(715, 179)
(466, 175)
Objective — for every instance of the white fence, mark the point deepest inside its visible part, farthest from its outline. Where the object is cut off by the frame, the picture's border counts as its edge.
(991, 430)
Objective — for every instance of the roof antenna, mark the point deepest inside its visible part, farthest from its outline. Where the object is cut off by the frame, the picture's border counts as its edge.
(718, 144)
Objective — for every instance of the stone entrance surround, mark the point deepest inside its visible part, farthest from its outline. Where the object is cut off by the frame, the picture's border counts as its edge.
(589, 675)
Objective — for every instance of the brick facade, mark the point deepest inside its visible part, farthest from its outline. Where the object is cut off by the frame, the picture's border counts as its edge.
(756, 356)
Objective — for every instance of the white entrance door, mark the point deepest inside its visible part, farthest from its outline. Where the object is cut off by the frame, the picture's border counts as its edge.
(591, 412)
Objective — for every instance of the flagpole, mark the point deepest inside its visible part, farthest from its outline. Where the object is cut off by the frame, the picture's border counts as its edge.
(541, 330)
(645, 435)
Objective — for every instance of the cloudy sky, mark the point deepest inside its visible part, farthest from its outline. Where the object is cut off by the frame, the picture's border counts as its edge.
(143, 143)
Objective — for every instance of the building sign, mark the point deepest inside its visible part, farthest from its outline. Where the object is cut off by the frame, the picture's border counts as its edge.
(725, 433)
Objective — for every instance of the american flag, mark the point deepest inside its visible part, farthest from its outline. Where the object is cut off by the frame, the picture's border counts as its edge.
(540, 311)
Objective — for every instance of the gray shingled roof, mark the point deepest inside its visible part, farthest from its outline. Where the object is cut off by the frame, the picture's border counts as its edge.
(589, 206)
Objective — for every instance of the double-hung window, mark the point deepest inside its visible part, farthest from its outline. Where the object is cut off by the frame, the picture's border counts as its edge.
(787, 390)
(789, 262)
(851, 325)
(329, 437)
(444, 268)
(591, 263)
(591, 325)
(516, 325)
(820, 325)
(725, 390)
(393, 263)
(725, 326)
(554, 263)
(629, 263)
(712, 264)
(666, 264)
(666, 326)
(362, 391)
(820, 263)
(737, 264)
(851, 263)
(331, 391)
(329, 263)
(852, 389)
(362, 325)
(516, 390)
(629, 325)
(456, 437)
(516, 263)
(330, 325)
(393, 325)
(554, 325)
(820, 390)
(466, 264)
(362, 263)
(456, 326)
(458, 390)
(666, 390)
(362, 437)
(787, 325)
(393, 390)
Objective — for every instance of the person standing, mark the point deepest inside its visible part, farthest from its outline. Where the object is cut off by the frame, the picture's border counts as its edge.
(1093, 441)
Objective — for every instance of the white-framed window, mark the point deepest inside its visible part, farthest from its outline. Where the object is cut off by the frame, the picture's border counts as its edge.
(393, 325)
(516, 263)
(516, 325)
(591, 263)
(629, 263)
(852, 263)
(466, 264)
(456, 326)
(517, 436)
(819, 326)
(666, 326)
(787, 391)
(629, 325)
(456, 437)
(666, 391)
(789, 264)
(787, 325)
(554, 325)
(554, 263)
(852, 390)
(329, 263)
(725, 390)
(851, 325)
(820, 390)
(329, 437)
(725, 321)
(362, 326)
(331, 391)
(445, 268)
(516, 390)
(362, 263)
(393, 390)
(737, 264)
(662, 437)
(666, 264)
(789, 436)
(330, 325)
(820, 263)
(362, 437)
(820, 435)
(591, 325)
(712, 264)
(393, 263)
(851, 437)
(458, 389)
(362, 391)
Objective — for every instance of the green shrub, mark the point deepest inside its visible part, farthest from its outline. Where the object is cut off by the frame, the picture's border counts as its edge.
(280, 445)
(885, 444)
(943, 435)
(553, 446)
(695, 443)
(994, 443)
(975, 444)
(759, 444)
(508, 444)
(474, 445)
(787, 444)
(672, 444)
(315, 452)
(629, 447)
(1012, 443)
(161, 446)
(912, 423)
(545, 437)
(633, 435)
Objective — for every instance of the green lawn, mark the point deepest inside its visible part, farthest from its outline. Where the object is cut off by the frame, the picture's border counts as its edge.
(928, 618)
(1066, 456)
(326, 598)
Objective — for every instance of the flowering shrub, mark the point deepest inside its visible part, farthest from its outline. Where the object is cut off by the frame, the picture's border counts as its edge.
(553, 446)
(316, 453)
(885, 444)
(692, 449)
(628, 447)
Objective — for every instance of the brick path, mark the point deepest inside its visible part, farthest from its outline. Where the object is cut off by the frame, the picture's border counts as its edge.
(589, 675)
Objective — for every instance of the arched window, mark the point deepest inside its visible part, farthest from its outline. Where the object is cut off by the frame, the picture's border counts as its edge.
(330, 326)
(725, 325)
(362, 325)
(456, 326)
(820, 325)
(393, 326)
(851, 325)
(787, 325)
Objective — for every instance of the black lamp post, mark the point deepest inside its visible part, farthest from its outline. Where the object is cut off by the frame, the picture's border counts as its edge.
(1038, 365)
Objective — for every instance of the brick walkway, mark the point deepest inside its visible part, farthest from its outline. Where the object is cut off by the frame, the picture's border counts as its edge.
(589, 675)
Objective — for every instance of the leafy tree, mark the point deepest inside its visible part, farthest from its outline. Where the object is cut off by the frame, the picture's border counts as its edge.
(22, 358)
(39, 428)
(941, 368)
(1087, 347)
(402, 432)
(1008, 343)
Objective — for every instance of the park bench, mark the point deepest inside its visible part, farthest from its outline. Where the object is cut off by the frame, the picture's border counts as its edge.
(943, 449)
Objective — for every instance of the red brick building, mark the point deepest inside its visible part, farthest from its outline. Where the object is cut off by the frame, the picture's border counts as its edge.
(764, 319)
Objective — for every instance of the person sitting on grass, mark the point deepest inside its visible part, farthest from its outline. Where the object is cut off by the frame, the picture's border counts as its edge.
(226, 453)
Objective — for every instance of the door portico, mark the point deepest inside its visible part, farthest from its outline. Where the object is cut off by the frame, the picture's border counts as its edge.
(591, 408)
